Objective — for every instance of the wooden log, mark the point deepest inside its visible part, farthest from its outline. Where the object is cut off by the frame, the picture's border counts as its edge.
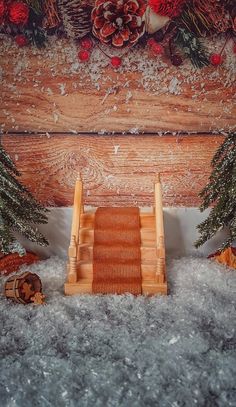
(116, 170)
(11, 262)
(42, 91)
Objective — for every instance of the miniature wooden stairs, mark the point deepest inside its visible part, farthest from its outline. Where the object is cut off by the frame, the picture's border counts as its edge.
(80, 265)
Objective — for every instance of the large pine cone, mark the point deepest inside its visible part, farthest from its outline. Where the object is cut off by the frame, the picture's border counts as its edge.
(118, 22)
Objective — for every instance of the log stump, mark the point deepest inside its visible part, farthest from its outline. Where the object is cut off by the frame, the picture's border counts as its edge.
(10, 263)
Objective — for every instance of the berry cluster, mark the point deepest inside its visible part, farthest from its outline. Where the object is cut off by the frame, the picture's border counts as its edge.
(86, 45)
(85, 53)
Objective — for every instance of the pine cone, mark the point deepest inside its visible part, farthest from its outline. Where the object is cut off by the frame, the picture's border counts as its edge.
(118, 22)
(50, 12)
(76, 17)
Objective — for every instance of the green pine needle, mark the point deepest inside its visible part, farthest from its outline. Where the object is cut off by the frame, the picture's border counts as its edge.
(192, 47)
(19, 211)
(220, 192)
(36, 6)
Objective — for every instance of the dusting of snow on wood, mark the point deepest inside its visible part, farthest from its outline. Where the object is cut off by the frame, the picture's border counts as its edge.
(39, 78)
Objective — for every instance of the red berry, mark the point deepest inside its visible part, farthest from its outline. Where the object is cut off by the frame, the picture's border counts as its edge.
(86, 43)
(21, 40)
(18, 12)
(216, 59)
(116, 62)
(151, 42)
(83, 55)
(157, 49)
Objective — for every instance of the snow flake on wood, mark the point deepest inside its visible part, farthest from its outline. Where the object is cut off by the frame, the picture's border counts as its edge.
(39, 77)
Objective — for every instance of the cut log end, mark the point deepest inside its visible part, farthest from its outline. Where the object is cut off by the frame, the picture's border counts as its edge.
(11, 263)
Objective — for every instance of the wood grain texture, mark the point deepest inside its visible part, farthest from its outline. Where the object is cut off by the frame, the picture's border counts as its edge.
(116, 170)
(32, 98)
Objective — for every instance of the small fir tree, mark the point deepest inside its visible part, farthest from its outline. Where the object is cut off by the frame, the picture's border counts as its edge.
(220, 192)
(19, 211)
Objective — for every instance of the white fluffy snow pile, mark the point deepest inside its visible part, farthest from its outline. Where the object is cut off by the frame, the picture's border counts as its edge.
(121, 350)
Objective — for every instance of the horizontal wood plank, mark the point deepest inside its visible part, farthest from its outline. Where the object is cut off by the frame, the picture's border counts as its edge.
(40, 91)
(116, 170)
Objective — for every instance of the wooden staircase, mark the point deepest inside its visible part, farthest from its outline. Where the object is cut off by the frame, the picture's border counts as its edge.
(80, 265)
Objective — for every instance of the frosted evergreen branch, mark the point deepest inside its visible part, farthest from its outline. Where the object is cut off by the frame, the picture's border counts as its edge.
(221, 193)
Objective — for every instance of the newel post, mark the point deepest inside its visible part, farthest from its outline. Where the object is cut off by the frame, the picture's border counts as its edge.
(160, 239)
(74, 241)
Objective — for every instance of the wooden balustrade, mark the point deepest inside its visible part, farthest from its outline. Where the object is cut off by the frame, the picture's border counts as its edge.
(74, 242)
(160, 241)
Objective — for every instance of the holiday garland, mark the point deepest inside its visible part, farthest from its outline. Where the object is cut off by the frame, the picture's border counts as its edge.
(170, 27)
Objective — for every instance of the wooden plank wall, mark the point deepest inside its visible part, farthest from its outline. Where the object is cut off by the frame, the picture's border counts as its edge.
(40, 92)
(53, 135)
(116, 170)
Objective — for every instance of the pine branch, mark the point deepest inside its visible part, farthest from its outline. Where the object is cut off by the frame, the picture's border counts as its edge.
(7, 180)
(36, 6)
(8, 243)
(192, 47)
(25, 210)
(36, 35)
(7, 162)
(19, 211)
(34, 31)
(195, 21)
(223, 163)
(221, 193)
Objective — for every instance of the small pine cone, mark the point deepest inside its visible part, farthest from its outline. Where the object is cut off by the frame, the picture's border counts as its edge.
(118, 22)
(50, 11)
(76, 17)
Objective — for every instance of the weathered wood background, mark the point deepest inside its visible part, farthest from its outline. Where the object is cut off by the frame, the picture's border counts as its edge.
(33, 100)
(117, 169)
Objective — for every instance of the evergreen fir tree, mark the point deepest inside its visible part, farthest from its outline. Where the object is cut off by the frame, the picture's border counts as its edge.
(19, 211)
(220, 192)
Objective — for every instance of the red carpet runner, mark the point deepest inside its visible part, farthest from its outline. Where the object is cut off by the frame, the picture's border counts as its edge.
(116, 251)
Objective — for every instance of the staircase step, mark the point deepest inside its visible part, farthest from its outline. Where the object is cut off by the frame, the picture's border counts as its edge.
(148, 236)
(85, 270)
(148, 253)
(147, 220)
(84, 286)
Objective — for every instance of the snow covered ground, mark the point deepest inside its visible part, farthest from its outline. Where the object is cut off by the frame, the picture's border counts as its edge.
(81, 351)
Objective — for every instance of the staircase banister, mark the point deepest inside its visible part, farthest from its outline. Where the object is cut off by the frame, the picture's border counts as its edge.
(77, 209)
(74, 241)
(160, 234)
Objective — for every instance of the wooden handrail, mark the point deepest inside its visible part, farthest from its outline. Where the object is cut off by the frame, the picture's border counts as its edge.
(160, 235)
(74, 242)
(77, 209)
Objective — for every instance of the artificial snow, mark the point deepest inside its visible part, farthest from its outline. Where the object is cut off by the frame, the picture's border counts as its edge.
(129, 351)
